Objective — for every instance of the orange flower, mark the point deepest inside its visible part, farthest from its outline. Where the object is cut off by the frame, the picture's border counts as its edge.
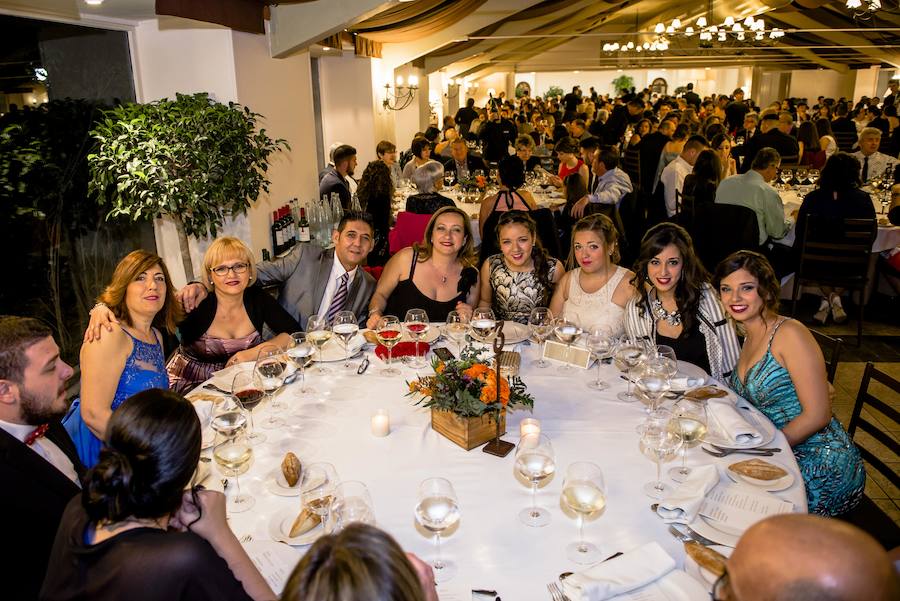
(477, 371)
(489, 391)
(439, 368)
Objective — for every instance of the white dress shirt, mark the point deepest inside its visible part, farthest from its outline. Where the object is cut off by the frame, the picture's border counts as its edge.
(878, 164)
(337, 270)
(673, 179)
(43, 447)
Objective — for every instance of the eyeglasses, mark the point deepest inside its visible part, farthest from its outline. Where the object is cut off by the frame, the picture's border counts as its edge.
(237, 268)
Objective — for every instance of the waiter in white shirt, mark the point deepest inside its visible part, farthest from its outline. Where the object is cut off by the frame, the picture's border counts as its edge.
(39, 467)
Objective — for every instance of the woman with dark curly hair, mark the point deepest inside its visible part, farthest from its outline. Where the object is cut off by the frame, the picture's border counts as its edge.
(702, 181)
(782, 372)
(135, 533)
(676, 306)
(375, 192)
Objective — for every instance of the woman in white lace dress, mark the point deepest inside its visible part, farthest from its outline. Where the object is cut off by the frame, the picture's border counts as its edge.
(597, 291)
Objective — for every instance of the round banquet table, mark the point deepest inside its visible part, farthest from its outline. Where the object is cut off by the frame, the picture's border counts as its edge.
(491, 547)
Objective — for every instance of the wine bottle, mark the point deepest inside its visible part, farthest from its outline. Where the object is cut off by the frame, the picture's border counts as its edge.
(303, 236)
(276, 235)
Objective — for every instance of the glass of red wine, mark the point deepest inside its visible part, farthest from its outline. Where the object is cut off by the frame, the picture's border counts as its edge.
(248, 391)
(417, 327)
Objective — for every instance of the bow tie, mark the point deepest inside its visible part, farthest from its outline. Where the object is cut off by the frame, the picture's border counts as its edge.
(38, 432)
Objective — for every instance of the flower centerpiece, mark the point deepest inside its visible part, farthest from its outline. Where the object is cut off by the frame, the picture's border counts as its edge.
(473, 182)
(464, 401)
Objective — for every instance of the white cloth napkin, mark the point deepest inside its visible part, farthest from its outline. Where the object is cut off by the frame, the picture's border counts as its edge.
(627, 572)
(733, 424)
(684, 503)
(204, 411)
(687, 382)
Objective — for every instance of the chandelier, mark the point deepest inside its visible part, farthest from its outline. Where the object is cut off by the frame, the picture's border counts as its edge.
(863, 9)
(397, 98)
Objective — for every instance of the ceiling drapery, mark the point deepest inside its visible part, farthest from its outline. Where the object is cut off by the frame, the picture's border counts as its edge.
(242, 15)
(411, 21)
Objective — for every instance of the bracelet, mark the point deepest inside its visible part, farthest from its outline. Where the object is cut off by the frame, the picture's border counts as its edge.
(98, 304)
(373, 311)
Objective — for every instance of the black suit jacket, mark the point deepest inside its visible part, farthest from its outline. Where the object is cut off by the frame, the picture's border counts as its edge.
(34, 498)
(473, 162)
(774, 138)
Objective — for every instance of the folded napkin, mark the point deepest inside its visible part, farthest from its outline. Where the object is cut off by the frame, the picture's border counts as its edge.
(733, 425)
(684, 503)
(402, 349)
(626, 572)
(204, 411)
(686, 382)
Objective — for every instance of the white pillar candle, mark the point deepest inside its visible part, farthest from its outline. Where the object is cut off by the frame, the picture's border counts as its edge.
(529, 425)
(381, 423)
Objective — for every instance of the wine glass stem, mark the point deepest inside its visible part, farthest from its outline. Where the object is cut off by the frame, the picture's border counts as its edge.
(390, 356)
(599, 362)
(658, 485)
(237, 483)
(581, 546)
(684, 469)
(347, 355)
(438, 562)
(568, 352)
(534, 509)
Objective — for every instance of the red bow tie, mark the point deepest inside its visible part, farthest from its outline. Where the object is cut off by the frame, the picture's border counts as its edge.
(38, 432)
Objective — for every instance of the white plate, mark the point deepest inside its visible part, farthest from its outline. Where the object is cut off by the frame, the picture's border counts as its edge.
(715, 435)
(277, 485)
(280, 527)
(274, 560)
(334, 350)
(704, 528)
(767, 485)
(515, 332)
(702, 574)
(224, 378)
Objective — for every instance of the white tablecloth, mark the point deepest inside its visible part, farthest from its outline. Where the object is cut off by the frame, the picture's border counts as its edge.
(491, 547)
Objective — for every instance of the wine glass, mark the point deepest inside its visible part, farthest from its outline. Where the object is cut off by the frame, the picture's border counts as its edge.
(317, 488)
(271, 367)
(437, 509)
(388, 333)
(229, 421)
(786, 176)
(659, 444)
(541, 323)
(584, 492)
(653, 381)
(233, 458)
(567, 332)
(600, 341)
(628, 356)
(813, 176)
(351, 503)
(483, 325)
(417, 326)
(345, 326)
(299, 351)
(247, 391)
(535, 462)
(802, 174)
(690, 421)
(319, 333)
(457, 325)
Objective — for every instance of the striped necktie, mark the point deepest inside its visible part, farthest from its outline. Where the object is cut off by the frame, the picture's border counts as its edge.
(339, 299)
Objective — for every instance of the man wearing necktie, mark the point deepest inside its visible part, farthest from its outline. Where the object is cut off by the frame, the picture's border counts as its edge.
(873, 163)
(39, 466)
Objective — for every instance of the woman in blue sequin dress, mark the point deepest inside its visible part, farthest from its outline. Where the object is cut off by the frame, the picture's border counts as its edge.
(131, 358)
(782, 372)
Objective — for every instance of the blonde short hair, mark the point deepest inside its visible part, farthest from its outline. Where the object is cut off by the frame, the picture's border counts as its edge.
(224, 248)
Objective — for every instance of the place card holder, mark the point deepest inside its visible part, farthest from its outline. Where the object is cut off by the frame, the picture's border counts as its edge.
(577, 356)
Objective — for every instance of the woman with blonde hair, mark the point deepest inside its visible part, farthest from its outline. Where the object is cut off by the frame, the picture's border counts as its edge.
(438, 275)
(130, 358)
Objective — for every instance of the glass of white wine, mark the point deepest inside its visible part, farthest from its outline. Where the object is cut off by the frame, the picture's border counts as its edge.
(352, 503)
(437, 509)
(567, 332)
(317, 488)
(388, 333)
(318, 331)
(653, 380)
(535, 462)
(690, 420)
(416, 324)
(345, 327)
(584, 492)
(541, 323)
(659, 444)
(233, 458)
(272, 368)
(455, 329)
(601, 342)
(299, 352)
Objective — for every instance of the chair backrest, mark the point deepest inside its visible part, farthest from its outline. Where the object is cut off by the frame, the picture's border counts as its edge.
(410, 228)
(845, 140)
(888, 420)
(828, 242)
(707, 227)
(831, 348)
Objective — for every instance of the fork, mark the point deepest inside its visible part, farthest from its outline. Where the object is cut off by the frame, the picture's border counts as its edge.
(727, 452)
(247, 538)
(555, 592)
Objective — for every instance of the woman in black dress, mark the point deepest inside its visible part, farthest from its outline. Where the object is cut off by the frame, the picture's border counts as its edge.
(375, 192)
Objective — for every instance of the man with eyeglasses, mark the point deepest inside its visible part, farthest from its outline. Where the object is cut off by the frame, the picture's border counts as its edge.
(796, 557)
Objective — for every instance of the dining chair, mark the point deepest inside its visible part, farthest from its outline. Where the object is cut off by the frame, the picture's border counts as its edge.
(713, 242)
(831, 348)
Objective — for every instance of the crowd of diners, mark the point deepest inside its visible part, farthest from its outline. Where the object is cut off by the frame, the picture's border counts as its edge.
(97, 489)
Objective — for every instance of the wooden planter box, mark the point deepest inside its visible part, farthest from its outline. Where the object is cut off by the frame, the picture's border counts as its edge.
(467, 432)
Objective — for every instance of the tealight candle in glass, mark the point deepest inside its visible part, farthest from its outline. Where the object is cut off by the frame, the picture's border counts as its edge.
(381, 423)
(529, 425)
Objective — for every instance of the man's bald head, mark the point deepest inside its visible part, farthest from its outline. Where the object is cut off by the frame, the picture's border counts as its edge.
(798, 557)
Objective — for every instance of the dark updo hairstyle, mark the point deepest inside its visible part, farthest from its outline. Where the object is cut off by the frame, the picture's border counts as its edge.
(152, 449)
(539, 255)
(759, 267)
(693, 278)
(840, 173)
(604, 228)
(511, 170)
(359, 562)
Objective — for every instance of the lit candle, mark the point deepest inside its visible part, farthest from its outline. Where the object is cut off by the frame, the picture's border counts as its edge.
(529, 425)
(381, 423)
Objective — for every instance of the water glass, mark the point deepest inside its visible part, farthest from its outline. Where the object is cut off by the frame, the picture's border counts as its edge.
(567, 332)
(601, 343)
(272, 369)
(437, 509)
(351, 503)
(541, 323)
(455, 329)
(660, 444)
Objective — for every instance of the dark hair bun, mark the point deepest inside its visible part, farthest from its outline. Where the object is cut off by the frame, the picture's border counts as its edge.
(108, 488)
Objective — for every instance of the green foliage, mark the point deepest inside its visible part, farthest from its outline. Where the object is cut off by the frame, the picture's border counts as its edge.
(554, 91)
(623, 83)
(192, 158)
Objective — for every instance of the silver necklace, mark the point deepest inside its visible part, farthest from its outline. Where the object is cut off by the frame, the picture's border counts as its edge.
(659, 312)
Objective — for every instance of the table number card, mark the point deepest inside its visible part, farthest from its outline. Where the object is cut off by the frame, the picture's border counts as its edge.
(577, 356)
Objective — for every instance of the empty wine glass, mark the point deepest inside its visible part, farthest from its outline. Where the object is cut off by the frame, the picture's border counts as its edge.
(247, 391)
(628, 356)
(317, 488)
(689, 419)
(299, 352)
(318, 331)
(417, 326)
(567, 332)
(437, 509)
(600, 341)
(659, 444)
(345, 326)
(535, 462)
(653, 380)
(388, 333)
(584, 492)
(272, 369)
(802, 174)
(541, 323)
(351, 503)
(233, 458)
(456, 328)
(483, 325)
(813, 176)
(786, 176)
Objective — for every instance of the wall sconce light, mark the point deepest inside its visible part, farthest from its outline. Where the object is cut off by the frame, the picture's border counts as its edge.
(400, 96)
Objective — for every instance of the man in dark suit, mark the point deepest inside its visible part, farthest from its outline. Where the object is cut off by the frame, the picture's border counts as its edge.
(691, 97)
(39, 465)
(311, 280)
(770, 137)
(461, 162)
(465, 116)
(337, 178)
(494, 137)
(618, 122)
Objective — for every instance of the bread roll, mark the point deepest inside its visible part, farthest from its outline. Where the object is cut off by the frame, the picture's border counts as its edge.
(370, 337)
(758, 469)
(705, 557)
(305, 522)
(290, 467)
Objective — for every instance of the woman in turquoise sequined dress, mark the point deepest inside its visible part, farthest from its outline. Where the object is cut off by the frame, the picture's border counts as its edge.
(782, 372)
(131, 358)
